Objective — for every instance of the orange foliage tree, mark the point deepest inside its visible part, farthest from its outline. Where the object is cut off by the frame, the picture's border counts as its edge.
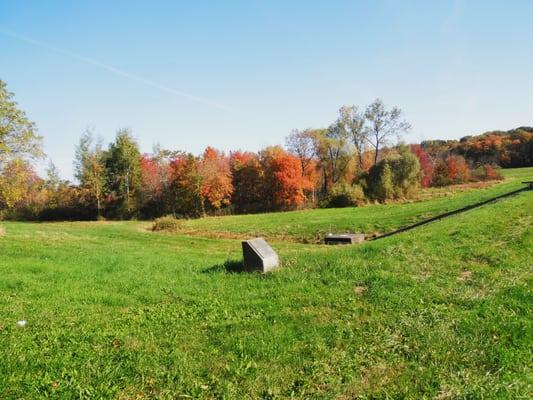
(457, 168)
(248, 181)
(217, 185)
(284, 179)
(185, 185)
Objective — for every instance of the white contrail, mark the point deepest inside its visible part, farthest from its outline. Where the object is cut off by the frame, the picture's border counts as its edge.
(114, 70)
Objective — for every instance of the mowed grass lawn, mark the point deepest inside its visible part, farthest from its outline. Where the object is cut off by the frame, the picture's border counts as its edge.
(116, 311)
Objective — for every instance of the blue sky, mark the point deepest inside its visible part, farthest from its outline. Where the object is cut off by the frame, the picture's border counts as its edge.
(242, 74)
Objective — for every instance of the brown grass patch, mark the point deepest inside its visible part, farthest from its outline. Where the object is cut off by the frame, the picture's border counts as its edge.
(379, 375)
(2, 231)
(465, 276)
(474, 185)
(360, 289)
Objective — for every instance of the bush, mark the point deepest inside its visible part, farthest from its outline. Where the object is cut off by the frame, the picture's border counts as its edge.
(493, 173)
(345, 195)
(383, 186)
(395, 177)
(167, 223)
(487, 172)
(440, 174)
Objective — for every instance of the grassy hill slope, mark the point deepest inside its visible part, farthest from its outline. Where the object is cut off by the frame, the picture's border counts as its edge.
(115, 311)
(312, 225)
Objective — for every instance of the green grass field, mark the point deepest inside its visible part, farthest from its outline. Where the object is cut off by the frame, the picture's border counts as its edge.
(116, 311)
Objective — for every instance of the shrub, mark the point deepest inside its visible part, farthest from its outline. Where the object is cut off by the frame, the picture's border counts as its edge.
(395, 177)
(493, 173)
(487, 172)
(167, 223)
(345, 195)
(406, 174)
(440, 174)
(383, 188)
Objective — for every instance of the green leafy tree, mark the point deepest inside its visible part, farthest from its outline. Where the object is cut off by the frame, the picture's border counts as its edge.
(53, 180)
(384, 188)
(334, 154)
(395, 177)
(90, 169)
(124, 176)
(18, 135)
(406, 172)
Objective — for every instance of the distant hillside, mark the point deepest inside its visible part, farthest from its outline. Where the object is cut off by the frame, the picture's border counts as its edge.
(513, 148)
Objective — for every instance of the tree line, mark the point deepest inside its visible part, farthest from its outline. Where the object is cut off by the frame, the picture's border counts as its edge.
(350, 162)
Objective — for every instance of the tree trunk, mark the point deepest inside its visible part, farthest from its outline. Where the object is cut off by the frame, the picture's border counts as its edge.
(98, 206)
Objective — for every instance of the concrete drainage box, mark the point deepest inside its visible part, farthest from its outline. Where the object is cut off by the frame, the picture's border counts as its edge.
(259, 256)
(344, 238)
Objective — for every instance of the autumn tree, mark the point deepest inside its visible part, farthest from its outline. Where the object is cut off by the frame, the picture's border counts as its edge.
(154, 178)
(124, 177)
(90, 170)
(302, 144)
(463, 170)
(186, 185)
(217, 184)
(284, 182)
(383, 125)
(426, 166)
(451, 166)
(247, 181)
(440, 173)
(17, 181)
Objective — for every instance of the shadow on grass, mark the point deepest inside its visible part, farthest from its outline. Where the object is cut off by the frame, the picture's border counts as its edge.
(228, 267)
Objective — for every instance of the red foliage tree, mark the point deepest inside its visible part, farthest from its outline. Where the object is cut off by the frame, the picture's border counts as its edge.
(152, 183)
(426, 165)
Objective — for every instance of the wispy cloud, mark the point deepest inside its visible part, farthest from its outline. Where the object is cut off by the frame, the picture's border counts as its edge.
(114, 70)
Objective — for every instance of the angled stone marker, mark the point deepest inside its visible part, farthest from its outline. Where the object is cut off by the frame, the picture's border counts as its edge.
(344, 238)
(259, 256)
